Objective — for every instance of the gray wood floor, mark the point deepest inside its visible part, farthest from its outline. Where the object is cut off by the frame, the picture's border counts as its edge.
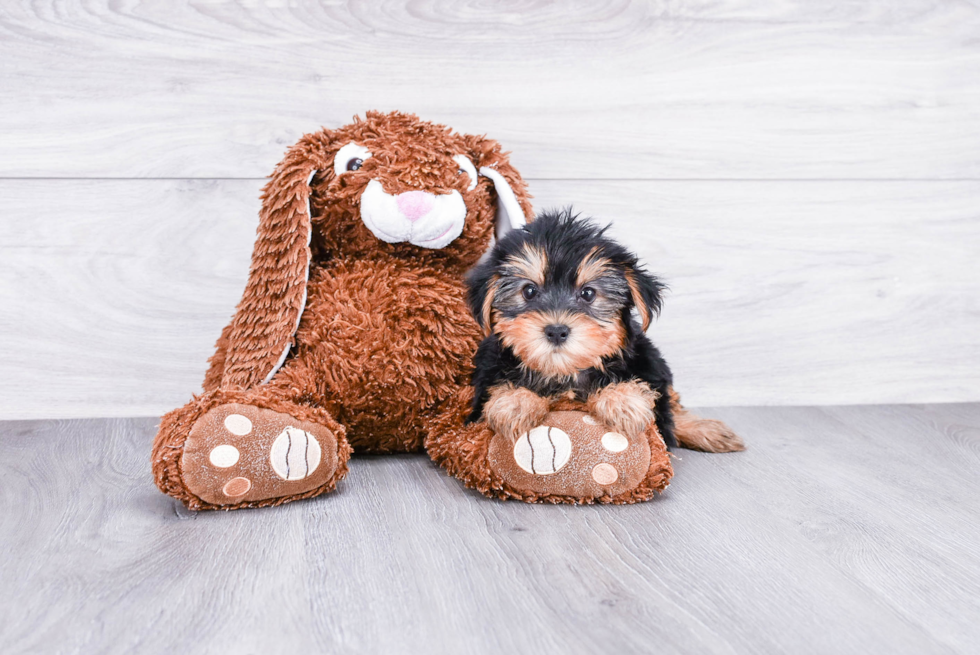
(841, 530)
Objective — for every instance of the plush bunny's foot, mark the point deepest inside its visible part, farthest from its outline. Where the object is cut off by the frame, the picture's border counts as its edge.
(571, 456)
(239, 454)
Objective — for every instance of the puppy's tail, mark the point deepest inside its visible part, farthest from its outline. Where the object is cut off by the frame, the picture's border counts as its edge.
(704, 434)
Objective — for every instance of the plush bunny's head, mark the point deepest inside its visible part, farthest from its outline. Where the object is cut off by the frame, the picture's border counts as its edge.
(407, 188)
(387, 186)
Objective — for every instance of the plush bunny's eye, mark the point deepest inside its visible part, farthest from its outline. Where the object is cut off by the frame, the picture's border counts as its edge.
(349, 158)
(466, 166)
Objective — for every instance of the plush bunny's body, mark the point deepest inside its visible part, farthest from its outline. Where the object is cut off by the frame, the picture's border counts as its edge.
(353, 332)
(386, 342)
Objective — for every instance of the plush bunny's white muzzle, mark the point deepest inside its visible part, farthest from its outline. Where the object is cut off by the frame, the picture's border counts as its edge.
(423, 219)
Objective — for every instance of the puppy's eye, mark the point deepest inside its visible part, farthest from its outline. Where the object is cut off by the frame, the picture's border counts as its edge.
(350, 158)
(587, 294)
(529, 291)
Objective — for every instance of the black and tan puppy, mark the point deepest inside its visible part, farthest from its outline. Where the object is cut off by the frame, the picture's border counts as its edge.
(556, 300)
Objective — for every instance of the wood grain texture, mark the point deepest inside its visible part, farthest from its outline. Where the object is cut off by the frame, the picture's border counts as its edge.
(841, 529)
(781, 293)
(115, 292)
(591, 90)
(806, 293)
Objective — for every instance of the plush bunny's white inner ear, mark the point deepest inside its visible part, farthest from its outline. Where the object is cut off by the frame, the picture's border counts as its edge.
(509, 213)
(467, 167)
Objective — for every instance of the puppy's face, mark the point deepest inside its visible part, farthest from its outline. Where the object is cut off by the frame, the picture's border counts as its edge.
(558, 293)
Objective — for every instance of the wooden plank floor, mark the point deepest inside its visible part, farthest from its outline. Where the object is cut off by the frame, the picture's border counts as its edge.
(842, 529)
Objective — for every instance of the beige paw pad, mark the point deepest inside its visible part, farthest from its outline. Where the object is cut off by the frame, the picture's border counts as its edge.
(224, 456)
(238, 424)
(543, 451)
(605, 474)
(236, 487)
(295, 454)
(614, 442)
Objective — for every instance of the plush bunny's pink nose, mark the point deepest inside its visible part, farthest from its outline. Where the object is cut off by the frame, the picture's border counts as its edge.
(414, 204)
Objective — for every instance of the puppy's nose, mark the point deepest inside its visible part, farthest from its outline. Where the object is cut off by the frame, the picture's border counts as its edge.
(557, 334)
(414, 204)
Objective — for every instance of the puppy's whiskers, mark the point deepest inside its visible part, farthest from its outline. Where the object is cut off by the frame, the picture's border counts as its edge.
(589, 341)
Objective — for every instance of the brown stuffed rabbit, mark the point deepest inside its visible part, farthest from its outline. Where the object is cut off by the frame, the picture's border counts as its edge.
(353, 332)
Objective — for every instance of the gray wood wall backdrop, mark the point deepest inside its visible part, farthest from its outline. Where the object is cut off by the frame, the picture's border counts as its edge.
(806, 176)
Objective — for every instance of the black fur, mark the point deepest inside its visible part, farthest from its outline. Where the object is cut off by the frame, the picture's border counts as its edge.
(567, 240)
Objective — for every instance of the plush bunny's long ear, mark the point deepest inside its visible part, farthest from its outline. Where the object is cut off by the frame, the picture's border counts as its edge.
(510, 215)
(261, 333)
(513, 201)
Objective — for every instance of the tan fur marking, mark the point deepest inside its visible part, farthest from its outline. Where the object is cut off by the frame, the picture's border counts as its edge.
(511, 411)
(641, 306)
(488, 305)
(627, 407)
(703, 434)
(532, 263)
(588, 342)
(592, 267)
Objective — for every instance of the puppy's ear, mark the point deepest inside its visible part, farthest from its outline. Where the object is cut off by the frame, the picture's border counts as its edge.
(646, 292)
(481, 286)
(513, 201)
(261, 333)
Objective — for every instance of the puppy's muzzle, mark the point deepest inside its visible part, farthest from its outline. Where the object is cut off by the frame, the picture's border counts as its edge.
(557, 334)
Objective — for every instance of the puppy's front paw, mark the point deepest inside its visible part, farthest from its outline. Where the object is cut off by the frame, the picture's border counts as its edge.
(627, 407)
(512, 411)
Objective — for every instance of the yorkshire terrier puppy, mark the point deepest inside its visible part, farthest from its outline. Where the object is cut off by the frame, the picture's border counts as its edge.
(556, 300)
